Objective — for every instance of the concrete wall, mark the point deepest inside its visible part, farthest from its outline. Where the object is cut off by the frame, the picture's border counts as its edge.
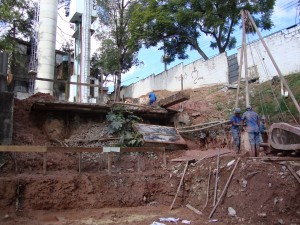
(195, 75)
(285, 48)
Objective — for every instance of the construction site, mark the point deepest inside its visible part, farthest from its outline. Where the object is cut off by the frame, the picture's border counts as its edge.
(90, 159)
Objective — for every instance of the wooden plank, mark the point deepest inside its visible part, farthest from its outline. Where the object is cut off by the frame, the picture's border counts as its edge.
(174, 99)
(194, 210)
(22, 148)
(198, 125)
(74, 149)
(51, 149)
(275, 159)
(178, 189)
(142, 149)
(293, 172)
(203, 128)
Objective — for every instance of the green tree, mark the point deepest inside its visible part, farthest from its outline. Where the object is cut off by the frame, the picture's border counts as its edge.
(16, 20)
(117, 53)
(178, 24)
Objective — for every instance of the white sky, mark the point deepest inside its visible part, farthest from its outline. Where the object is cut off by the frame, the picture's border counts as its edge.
(285, 15)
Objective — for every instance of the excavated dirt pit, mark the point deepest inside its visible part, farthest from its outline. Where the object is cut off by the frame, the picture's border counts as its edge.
(259, 192)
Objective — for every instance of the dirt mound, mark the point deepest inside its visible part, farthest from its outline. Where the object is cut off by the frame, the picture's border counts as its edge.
(26, 129)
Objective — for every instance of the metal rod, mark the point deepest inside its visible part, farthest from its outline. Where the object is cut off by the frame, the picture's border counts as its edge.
(274, 63)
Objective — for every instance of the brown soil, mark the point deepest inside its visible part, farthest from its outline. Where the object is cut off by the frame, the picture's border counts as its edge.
(260, 192)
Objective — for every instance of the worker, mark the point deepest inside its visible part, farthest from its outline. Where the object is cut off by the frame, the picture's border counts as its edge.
(236, 125)
(262, 128)
(152, 98)
(251, 120)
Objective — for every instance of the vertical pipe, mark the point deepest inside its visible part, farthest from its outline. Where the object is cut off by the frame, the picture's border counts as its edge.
(46, 46)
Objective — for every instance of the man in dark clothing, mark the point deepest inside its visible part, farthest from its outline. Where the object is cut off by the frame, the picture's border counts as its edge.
(152, 98)
(252, 126)
(236, 122)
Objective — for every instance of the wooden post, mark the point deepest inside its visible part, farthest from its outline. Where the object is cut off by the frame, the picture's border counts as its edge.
(109, 161)
(44, 163)
(16, 162)
(139, 164)
(274, 63)
(217, 177)
(178, 189)
(224, 190)
(79, 162)
(208, 187)
(165, 158)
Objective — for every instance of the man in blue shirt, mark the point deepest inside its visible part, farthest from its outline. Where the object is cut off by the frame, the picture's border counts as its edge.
(251, 120)
(152, 98)
(236, 122)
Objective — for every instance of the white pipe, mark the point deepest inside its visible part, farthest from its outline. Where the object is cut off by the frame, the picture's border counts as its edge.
(46, 45)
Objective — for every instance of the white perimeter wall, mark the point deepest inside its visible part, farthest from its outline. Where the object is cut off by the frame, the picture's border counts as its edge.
(196, 74)
(285, 48)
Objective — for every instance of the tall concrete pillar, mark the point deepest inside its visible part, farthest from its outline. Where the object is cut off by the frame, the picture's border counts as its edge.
(46, 45)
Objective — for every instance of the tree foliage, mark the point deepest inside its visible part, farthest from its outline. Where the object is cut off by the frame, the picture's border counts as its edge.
(117, 55)
(16, 20)
(178, 24)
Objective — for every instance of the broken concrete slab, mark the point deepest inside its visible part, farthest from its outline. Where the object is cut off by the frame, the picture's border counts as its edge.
(155, 135)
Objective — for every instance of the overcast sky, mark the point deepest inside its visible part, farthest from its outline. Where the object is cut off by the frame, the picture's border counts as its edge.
(286, 14)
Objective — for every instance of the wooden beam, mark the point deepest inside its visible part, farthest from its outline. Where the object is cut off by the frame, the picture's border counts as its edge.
(199, 125)
(74, 149)
(293, 172)
(203, 128)
(224, 190)
(174, 99)
(194, 209)
(178, 189)
(142, 149)
(22, 148)
(50, 149)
